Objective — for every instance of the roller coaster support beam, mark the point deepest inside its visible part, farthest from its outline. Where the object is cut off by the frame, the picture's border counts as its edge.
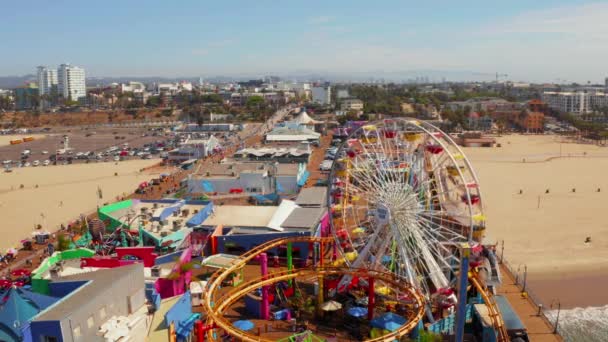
(265, 309)
(371, 299)
(290, 261)
(321, 279)
(465, 252)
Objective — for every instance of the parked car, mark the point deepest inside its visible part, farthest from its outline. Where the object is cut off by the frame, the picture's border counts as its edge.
(46, 162)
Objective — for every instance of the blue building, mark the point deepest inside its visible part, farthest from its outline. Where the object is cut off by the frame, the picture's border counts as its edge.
(18, 308)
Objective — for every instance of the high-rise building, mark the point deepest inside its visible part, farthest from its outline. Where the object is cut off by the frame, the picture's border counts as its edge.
(71, 82)
(47, 79)
(321, 95)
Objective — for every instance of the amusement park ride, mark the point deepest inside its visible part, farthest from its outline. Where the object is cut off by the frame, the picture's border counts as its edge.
(406, 214)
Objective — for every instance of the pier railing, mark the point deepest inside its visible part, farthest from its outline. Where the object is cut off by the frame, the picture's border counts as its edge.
(520, 278)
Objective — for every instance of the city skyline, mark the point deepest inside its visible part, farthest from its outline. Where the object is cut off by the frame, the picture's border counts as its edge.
(544, 41)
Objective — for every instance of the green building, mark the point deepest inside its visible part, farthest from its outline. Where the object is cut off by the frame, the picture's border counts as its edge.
(26, 97)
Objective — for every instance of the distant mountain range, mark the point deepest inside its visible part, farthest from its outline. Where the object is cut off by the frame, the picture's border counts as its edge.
(300, 75)
(15, 81)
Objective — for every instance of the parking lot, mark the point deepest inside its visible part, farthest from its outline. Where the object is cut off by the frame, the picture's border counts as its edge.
(81, 141)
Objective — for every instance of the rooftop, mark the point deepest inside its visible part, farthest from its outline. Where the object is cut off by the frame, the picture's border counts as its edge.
(272, 152)
(159, 218)
(95, 284)
(236, 168)
(303, 218)
(244, 216)
(312, 197)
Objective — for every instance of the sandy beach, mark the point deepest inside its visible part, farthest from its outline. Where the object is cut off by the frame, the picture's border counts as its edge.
(63, 193)
(6, 139)
(547, 232)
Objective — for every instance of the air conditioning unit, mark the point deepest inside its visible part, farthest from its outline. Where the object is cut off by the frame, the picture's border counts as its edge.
(54, 271)
(155, 271)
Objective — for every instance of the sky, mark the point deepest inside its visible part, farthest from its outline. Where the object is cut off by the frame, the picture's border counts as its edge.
(539, 40)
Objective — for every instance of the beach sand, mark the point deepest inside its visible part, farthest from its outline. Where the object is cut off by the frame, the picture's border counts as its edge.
(64, 192)
(547, 232)
(6, 139)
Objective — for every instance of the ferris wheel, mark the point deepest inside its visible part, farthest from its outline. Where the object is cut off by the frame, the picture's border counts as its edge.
(403, 198)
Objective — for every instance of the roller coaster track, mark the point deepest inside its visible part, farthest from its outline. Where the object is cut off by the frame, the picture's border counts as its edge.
(493, 310)
(215, 312)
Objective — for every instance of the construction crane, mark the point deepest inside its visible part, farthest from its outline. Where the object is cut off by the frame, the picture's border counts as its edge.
(500, 76)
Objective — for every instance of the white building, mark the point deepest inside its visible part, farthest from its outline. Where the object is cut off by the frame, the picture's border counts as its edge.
(578, 102)
(321, 95)
(250, 177)
(342, 94)
(170, 88)
(133, 87)
(47, 79)
(351, 104)
(71, 82)
(193, 149)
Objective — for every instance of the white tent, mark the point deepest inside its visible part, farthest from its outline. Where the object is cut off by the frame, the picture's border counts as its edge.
(291, 134)
(304, 119)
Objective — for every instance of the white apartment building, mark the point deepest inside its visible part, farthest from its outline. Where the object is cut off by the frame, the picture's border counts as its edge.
(321, 95)
(47, 79)
(71, 82)
(577, 102)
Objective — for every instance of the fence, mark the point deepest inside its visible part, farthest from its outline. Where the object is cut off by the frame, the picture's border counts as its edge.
(531, 296)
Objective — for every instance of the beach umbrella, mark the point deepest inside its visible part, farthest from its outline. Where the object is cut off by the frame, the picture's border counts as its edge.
(357, 311)
(331, 305)
(389, 321)
(243, 325)
(5, 283)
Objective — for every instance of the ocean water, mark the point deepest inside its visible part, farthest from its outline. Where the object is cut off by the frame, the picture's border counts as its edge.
(582, 324)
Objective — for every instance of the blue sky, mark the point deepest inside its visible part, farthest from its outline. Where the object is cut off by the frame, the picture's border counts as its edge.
(529, 40)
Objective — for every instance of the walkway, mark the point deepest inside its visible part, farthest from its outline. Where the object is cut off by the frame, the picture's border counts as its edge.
(539, 329)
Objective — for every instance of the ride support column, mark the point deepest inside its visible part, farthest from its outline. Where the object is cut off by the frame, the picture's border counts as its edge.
(320, 294)
(264, 306)
(371, 299)
(463, 282)
(290, 261)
